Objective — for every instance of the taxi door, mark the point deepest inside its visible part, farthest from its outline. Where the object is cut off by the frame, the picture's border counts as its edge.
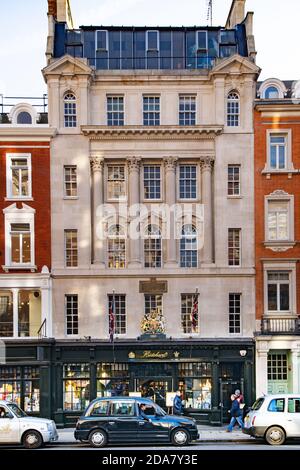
(293, 417)
(9, 427)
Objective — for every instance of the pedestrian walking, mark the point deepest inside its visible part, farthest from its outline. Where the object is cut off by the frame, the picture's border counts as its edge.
(177, 404)
(235, 413)
(243, 407)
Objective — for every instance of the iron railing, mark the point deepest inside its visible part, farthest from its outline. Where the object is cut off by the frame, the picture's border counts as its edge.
(39, 102)
(42, 331)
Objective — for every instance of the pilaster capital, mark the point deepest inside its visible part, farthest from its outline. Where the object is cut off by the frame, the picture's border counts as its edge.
(97, 163)
(170, 163)
(207, 163)
(134, 163)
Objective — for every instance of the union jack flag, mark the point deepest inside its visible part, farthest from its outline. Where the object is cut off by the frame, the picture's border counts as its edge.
(194, 313)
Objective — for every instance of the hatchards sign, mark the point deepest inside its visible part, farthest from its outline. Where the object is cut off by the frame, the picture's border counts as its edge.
(154, 355)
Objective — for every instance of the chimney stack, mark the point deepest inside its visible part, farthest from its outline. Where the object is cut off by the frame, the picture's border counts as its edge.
(60, 10)
(236, 13)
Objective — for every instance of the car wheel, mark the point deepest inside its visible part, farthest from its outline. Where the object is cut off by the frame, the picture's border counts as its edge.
(275, 436)
(32, 440)
(98, 438)
(180, 437)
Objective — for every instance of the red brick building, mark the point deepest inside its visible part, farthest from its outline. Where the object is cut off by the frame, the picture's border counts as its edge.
(277, 235)
(25, 223)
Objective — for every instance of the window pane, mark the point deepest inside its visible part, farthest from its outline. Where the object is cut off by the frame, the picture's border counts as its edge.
(187, 110)
(188, 181)
(271, 93)
(272, 297)
(233, 180)
(6, 313)
(120, 312)
(71, 314)
(152, 40)
(70, 180)
(178, 50)
(152, 182)
(29, 312)
(71, 248)
(26, 248)
(284, 297)
(102, 40)
(122, 408)
(15, 248)
(281, 150)
(201, 40)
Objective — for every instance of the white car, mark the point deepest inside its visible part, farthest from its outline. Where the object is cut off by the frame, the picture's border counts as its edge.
(275, 418)
(18, 428)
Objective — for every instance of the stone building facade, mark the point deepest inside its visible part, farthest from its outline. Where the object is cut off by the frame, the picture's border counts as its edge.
(143, 120)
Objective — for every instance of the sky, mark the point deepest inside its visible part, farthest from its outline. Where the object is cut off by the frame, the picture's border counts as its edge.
(23, 32)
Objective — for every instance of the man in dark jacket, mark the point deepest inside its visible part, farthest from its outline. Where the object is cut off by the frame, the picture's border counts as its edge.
(177, 404)
(235, 414)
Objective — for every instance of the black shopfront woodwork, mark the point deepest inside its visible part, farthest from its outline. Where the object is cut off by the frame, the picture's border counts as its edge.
(57, 379)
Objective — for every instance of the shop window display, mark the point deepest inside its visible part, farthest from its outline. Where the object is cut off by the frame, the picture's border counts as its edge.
(21, 385)
(112, 379)
(195, 383)
(76, 386)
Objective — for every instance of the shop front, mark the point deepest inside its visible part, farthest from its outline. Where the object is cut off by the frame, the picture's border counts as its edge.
(58, 379)
(205, 373)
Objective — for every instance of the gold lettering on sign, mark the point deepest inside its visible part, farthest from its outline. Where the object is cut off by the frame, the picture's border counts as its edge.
(154, 355)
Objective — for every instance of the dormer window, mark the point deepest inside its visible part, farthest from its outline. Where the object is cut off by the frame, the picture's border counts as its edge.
(23, 114)
(272, 89)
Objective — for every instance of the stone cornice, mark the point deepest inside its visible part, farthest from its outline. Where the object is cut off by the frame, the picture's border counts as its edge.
(26, 132)
(284, 107)
(149, 133)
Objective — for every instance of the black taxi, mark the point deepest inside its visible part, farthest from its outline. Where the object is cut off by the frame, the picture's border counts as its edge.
(132, 419)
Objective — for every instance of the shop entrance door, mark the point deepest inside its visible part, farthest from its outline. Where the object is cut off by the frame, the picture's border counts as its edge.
(227, 388)
(155, 388)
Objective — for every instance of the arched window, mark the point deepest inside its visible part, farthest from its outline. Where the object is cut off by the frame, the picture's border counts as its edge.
(233, 109)
(116, 247)
(70, 119)
(24, 118)
(271, 93)
(152, 247)
(188, 247)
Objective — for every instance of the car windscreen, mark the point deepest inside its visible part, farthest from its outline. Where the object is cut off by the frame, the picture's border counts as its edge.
(16, 410)
(257, 404)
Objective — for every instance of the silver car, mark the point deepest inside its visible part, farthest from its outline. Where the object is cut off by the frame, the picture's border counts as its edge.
(275, 418)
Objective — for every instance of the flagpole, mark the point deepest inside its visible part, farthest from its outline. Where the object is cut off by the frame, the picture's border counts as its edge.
(113, 336)
(195, 299)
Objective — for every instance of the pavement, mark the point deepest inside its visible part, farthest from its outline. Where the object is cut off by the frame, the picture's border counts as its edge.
(207, 434)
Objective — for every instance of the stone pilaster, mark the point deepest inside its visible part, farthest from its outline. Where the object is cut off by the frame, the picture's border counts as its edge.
(97, 165)
(206, 170)
(170, 178)
(133, 164)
